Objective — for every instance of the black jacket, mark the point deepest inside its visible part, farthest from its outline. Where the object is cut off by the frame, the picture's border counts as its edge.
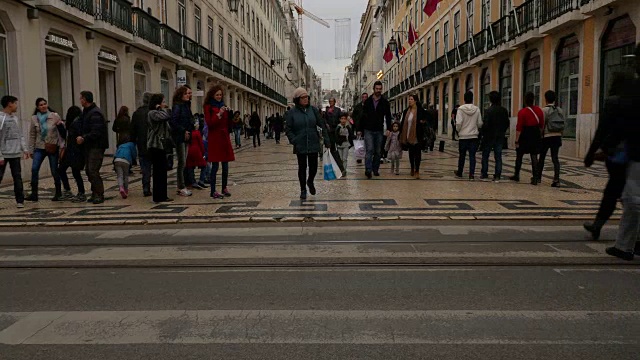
(140, 128)
(357, 113)
(73, 155)
(495, 124)
(332, 120)
(94, 128)
(373, 119)
(619, 123)
(181, 121)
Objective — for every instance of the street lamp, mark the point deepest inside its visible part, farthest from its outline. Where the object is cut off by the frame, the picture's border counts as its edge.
(290, 68)
(393, 44)
(233, 5)
(364, 78)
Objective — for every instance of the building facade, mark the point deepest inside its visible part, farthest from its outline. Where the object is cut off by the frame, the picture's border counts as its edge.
(573, 47)
(119, 50)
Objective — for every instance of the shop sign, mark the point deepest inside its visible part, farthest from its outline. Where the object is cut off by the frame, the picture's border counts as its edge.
(59, 41)
(107, 56)
(181, 78)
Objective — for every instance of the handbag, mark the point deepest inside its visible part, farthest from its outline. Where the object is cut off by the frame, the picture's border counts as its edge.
(51, 149)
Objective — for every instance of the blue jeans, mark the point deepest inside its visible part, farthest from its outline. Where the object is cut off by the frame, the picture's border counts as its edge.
(629, 230)
(497, 154)
(236, 132)
(214, 173)
(373, 144)
(38, 158)
(464, 146)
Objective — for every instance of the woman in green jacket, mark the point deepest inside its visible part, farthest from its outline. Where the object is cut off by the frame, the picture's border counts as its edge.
(303, 122)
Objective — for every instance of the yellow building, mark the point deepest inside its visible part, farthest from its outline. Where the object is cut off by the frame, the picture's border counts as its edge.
(513, 46)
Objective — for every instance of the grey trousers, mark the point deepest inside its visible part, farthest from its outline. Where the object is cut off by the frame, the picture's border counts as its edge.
(343, 151)
(629, 230)
(122, 170)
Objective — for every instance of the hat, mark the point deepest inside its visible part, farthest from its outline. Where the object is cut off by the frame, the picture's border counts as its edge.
(299, 92)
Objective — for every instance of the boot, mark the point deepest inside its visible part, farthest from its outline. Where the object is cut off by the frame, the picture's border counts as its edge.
(594, 228)
(34, 195)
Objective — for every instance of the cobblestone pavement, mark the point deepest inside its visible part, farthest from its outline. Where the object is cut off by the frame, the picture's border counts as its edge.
(264, 185)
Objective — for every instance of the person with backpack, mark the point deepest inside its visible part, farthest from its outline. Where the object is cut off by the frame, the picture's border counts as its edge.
(554, 120)
(528, 133)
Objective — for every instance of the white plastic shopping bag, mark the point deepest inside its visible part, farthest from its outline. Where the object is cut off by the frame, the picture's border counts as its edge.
(359, 150)
(330, 167)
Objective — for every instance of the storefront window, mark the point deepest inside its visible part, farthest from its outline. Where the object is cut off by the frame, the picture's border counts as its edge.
(618, 43)
(568, 80)
(532, 74)
(4, 76)
(505, 84)
(164, 85)
(485, 89)
(140, 81)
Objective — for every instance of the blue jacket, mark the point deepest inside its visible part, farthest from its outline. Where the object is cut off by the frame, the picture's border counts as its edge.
(181, 121)
(126, 151)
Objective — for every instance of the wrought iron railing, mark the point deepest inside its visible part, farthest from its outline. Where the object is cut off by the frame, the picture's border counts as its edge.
(191, 49)
(526, 16)
(206, 57)
(171, 40)
(552, 9)
(146, 26)
(116, 13)
(86, 6)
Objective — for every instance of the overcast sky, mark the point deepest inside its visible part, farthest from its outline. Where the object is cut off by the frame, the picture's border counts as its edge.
(319, 42)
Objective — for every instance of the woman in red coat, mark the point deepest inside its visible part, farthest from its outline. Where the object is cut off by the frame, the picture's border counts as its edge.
(216, 114)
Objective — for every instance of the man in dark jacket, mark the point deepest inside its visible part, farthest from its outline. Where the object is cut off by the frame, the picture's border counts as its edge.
(376, 113)
(95, 139)
(139, 129)
(494, 129)
(278, 125)
(358, 111)
(627, 131)
(332, 119)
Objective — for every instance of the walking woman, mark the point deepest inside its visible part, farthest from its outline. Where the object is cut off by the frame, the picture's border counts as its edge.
(46, 134)
(414, 119)
(159, 143)
(616, 162)
(303, 122)
(122, 126)
(181, 128)
(255, 124)
(72, 156)
(528, 137)
(216, 114)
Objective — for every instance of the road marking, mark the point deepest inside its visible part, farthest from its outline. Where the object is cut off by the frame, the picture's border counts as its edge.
(314, 270)
(324, 327)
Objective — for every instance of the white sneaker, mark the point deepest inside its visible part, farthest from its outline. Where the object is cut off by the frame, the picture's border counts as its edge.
(20, 205)
(184, 192)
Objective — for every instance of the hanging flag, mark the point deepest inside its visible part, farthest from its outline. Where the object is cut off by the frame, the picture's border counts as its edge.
(403, 50)
(398, 48)
(412, 35)
(388, 55)
(431, 6)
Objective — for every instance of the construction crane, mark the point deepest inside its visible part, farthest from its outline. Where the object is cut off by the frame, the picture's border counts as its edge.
(297, 7)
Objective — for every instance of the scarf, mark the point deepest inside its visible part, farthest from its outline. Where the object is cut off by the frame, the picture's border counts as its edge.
(218, 104)
(42, 117)
(409, 135)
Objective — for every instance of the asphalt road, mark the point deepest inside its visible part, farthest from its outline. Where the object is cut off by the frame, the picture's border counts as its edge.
(584, 308)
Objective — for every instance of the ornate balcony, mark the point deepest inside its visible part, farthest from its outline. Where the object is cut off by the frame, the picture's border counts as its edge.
(146, 30)
(114, 17)
(171, 42)
(80, 11)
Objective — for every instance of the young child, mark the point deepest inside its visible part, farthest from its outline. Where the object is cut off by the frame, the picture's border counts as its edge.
(196, 158)
(122, 161)
(344, 139)
(394, 148)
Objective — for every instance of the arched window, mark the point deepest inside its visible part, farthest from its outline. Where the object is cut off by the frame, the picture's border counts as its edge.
(485, 89)
(505, 84)
(4, 75)
(140, 82)
(164, 84)
(568, 81)
(618, 43)
(532, 74)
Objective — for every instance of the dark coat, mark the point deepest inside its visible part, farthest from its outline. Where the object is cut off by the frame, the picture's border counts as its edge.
(73, 155)
(495, 124)
(140, 128)
(374, 119)
(357, 113)
(218, 141)
(94, 128)
(122, 128)
(278, 123)
(255, 122)
(332, 119)
(302, 130)
(181, 121)
(420, 125)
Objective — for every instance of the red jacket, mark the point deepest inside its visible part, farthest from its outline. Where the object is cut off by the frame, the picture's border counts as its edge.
(526, 118)
(195, 156)
(218, 139)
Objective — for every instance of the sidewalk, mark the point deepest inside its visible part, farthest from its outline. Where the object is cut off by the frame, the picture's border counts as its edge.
(264, 185)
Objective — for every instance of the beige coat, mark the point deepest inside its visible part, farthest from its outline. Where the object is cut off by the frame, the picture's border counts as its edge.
(53, 136)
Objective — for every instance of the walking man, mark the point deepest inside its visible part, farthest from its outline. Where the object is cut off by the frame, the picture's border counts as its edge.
(494, 129)
(376, 113)
(278, 124)
(468, 124)
(139, 129)
(358, 112)
(12, 146)
(94, 139)
(332, 119)
(552, 136)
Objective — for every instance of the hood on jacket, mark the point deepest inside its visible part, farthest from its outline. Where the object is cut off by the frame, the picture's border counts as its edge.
(469, 109)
